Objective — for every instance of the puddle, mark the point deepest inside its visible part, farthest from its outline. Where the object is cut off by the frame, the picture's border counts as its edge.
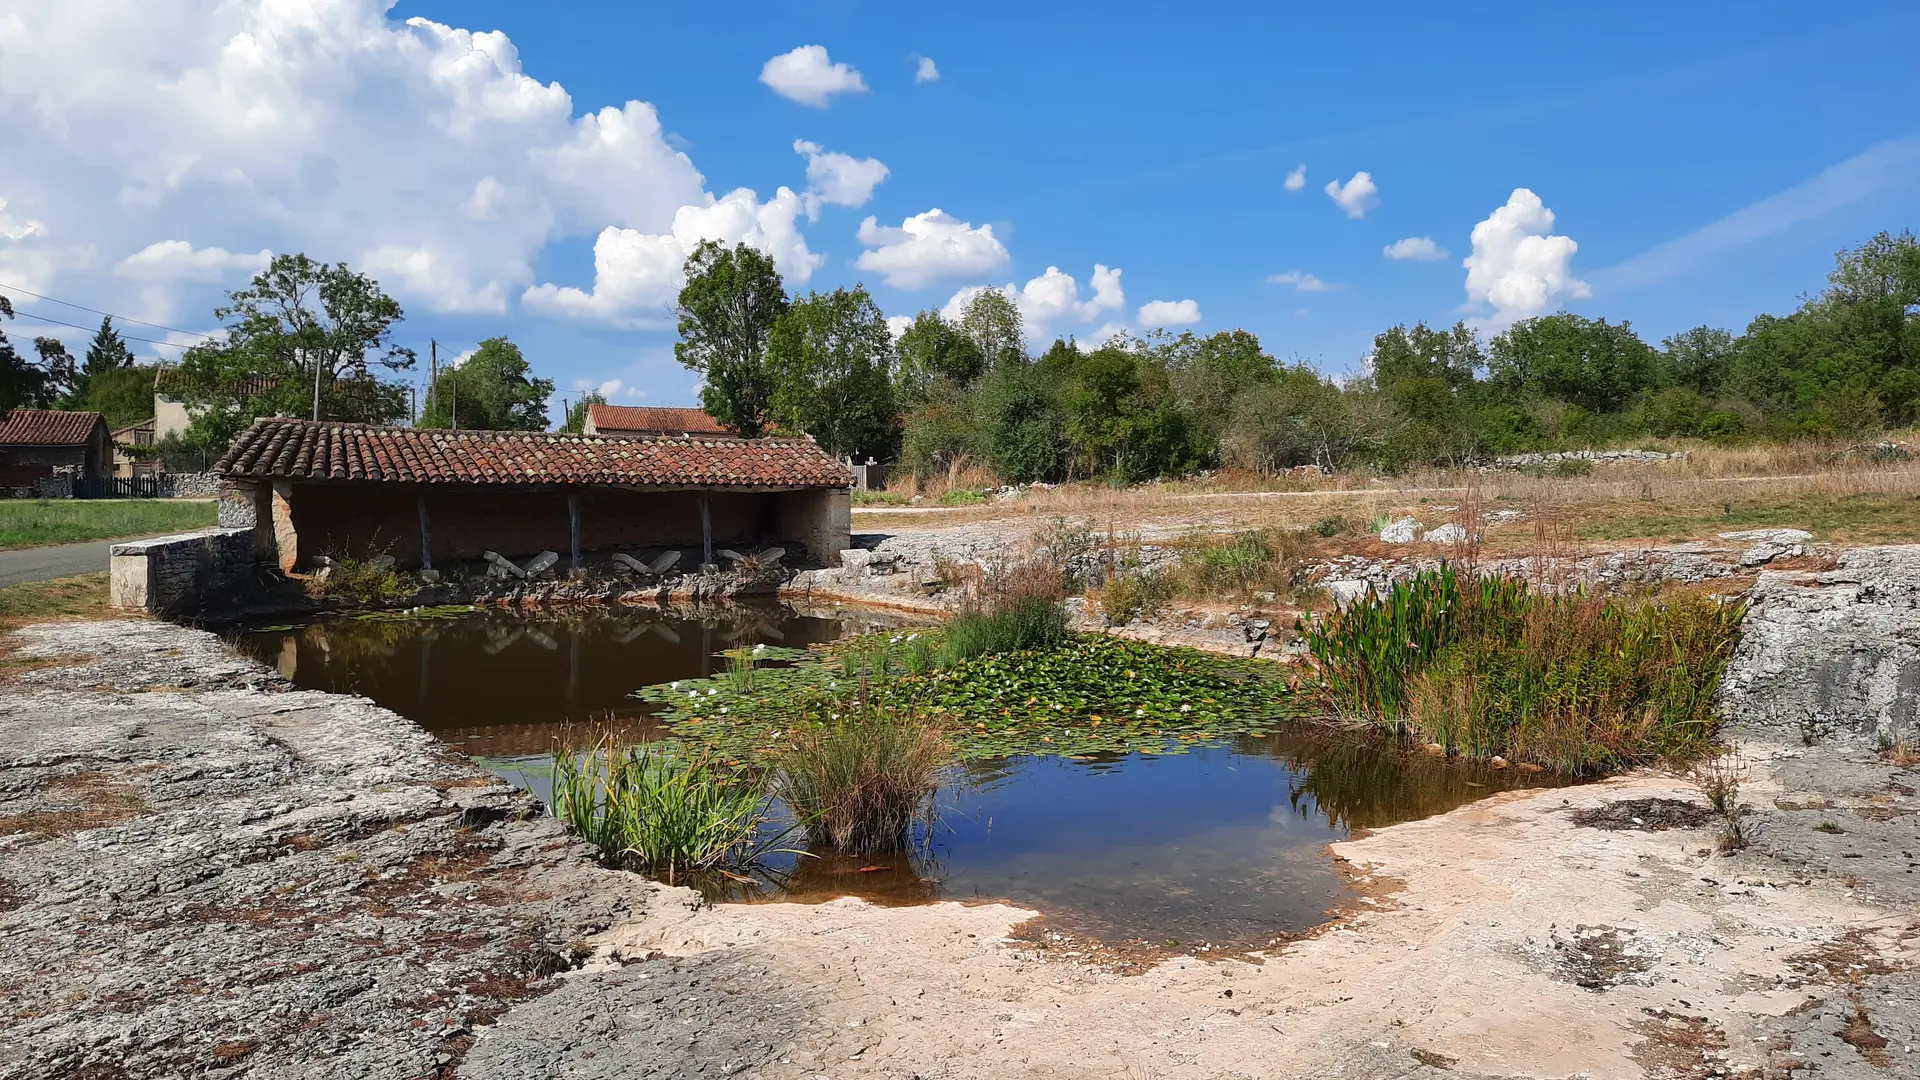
(1223, 845)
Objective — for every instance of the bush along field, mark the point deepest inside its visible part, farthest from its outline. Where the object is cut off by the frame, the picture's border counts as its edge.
(1487, 667)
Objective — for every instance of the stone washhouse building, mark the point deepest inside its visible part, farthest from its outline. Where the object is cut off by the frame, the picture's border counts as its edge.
(427, 496)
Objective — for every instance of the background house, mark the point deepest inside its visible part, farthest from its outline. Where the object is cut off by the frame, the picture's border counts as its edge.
(632, 421)
(49, 452)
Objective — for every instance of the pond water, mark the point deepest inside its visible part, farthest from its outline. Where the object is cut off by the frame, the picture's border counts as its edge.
(1223, 844)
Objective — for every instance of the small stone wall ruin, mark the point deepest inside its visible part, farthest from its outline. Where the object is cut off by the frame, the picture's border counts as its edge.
(171, 575)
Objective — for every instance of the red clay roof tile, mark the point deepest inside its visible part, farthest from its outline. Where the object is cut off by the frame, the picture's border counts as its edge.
(652, 420)
(310, 450)
(47, 427)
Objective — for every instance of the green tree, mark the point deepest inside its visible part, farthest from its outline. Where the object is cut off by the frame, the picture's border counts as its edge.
(123, 395)
(492, 390)
(1697, 359)
(576, 421)
(1599, 366)
(1291, 417)
(932, 352)
(299, 323)
(63, 386)
(993, 323)
(1860, 336)
(1019, 424)
(108, 351)
(1210, 374)
(1123, 420)
(831, 357)
(21, 383)
(1426, 380)
(727, 311)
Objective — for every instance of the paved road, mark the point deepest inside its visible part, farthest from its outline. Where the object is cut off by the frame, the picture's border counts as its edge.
(46, 563)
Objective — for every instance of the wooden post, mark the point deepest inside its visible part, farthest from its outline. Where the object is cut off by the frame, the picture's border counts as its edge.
(706, 532)
(426, 534)
(573, 522)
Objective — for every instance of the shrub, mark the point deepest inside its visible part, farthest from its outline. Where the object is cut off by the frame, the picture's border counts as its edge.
(1329, 527)
(1240, 564)
(661, 809)
(962, 497)
(1014, 609)
(1133, 593)
(858, 777)
(358, 581)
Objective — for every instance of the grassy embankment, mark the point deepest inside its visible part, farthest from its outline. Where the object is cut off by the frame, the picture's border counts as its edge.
(26, 523)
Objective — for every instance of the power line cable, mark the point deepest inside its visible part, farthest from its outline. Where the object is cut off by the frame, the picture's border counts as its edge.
(97, 311)
(76, 326)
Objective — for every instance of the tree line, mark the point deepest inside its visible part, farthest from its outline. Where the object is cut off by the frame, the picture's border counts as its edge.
(950, 392)
(307, 338)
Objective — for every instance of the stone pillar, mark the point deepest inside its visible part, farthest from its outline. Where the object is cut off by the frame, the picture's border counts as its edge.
(286, 541)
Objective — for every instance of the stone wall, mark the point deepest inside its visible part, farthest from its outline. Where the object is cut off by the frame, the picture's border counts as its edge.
(1832, 654)
(172, 575)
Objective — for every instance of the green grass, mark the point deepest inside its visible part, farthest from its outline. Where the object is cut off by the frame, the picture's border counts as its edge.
(26, 523)
(1867, 518)
(84, 596)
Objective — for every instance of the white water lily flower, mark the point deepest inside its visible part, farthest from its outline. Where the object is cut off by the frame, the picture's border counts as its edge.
(723, 710)
(1139, 712)
(1186, 708)
(761, 647)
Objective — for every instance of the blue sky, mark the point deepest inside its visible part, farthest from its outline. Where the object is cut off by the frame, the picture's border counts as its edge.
(1706, 160)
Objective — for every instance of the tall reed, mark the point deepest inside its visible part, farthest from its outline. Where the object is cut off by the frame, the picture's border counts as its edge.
(858, 776)
(1569, 680)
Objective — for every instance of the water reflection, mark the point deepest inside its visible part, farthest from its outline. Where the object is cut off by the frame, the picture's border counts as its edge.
(1224, 844)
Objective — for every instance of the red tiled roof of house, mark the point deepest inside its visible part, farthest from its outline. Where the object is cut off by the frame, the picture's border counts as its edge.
(47, 427)
(310, 450)
(169, 381)
(651, 420)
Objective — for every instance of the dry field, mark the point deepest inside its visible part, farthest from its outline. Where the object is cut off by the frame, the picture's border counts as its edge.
(1839, 497)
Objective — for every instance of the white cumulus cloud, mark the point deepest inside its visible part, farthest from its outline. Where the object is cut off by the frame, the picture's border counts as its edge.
(1517, 268)
(636, 275)
(929, 247)
(1356, 196)
(835, 179)
(807, 75)
(418, 151)
(1302, 281)
(1169, 313)
(926, 71)
(174, 259)
(1051, 302)
(1415, 248)
(898, 325)
(1296, 179)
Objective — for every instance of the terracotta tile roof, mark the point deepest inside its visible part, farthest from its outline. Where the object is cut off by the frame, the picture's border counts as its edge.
(650, 420)
(47, 427)
(169, 381)
(309, 450)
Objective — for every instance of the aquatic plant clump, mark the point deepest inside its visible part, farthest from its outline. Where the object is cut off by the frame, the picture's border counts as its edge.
(1488, 668)
(859, 777)
(663, 809)
(1091, 694)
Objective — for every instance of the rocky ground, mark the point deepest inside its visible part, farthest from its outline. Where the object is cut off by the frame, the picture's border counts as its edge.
(206, 873)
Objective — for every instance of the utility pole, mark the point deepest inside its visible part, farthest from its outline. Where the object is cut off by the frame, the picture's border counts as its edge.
(316, 387)
(433, 385)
